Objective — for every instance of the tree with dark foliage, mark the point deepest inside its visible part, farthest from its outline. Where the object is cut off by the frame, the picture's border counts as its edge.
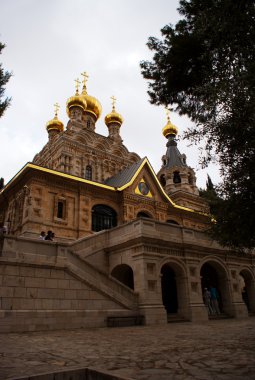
(204, 67)
(4, 77)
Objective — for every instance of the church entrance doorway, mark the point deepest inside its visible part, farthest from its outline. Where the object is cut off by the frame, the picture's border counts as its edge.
(124, 274)
(103, 218)
(247, 286)
(174, 288)
(169, 289)
(213, 276)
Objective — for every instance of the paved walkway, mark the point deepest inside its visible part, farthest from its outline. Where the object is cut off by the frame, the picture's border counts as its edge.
(216, 350)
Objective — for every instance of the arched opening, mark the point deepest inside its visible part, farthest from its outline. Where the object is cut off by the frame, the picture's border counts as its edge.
(176, 177)
(103, 218)
(169, 289)
(124, 274)
(162, 180)
(171, 221)
(247, 287)
(143, 214)
(214, 279)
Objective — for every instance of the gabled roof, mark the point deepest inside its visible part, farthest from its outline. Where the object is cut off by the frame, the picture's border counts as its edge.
(125, 176)
(117, 183)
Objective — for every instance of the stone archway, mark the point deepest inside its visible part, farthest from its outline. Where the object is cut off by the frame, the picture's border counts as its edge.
(247, 287)
(124, 273)
(174, 290)
(214, 275)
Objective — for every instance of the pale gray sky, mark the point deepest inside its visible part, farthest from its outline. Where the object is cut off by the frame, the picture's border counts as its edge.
(50, 42)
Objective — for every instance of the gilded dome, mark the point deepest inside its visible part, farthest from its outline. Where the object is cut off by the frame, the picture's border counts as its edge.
(113, 117)
(55, 124)
(169, 129)
(76, 101)
(93, 105)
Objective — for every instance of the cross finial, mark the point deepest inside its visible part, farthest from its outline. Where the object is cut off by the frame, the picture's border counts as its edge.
(113, 102)
(167, 114)
(77, 84)
(84, 80)
(56, 108)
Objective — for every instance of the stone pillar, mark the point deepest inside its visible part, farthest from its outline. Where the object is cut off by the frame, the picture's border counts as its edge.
(148, 285)
(197, 309)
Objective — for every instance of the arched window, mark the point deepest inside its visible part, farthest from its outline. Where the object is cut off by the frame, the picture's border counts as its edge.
(162, 180)
(88, 124)
(176, 177)
(103, 218)
(88, 172)
(142, 214)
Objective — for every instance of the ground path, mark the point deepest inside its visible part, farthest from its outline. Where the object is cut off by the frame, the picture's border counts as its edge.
(215, 350)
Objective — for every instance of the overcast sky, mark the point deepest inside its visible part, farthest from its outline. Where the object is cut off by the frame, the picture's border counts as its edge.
(50, 42)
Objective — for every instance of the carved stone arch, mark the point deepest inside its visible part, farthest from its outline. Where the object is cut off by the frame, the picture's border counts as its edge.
(84, 138)
(146, 210)
(124, 274)
(118, 152)
(103, 142)
(174, 287)
(247, 288)
(215, 274)
(101, 147)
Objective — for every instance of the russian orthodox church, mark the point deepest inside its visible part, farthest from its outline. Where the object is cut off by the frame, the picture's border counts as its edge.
(130, 244)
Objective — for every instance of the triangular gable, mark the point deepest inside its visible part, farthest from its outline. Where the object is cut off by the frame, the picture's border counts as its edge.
(145, 162)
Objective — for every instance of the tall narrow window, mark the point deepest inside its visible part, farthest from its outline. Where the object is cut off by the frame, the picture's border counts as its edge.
(88, 124)
(60, 210)
(88, 172)
(176, 177)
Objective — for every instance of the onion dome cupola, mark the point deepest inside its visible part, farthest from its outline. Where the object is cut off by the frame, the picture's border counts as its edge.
(94, 109)
(76, 105)
(169, 129)
(54, 126)
(113, 121)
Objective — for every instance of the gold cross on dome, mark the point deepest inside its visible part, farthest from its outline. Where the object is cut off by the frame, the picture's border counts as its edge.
(56, 108)
(113, 102)
(85, 78)
(77, 84)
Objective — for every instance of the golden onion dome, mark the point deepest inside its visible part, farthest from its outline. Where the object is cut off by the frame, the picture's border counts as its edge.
(55, 124)
(169, 129)
(93, 105)
(76, 100)
(113, 117)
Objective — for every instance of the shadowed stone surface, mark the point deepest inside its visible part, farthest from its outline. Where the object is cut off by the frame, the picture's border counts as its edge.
(215, 350)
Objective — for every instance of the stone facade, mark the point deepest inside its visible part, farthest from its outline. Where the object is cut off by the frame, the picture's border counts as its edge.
(128, 242)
